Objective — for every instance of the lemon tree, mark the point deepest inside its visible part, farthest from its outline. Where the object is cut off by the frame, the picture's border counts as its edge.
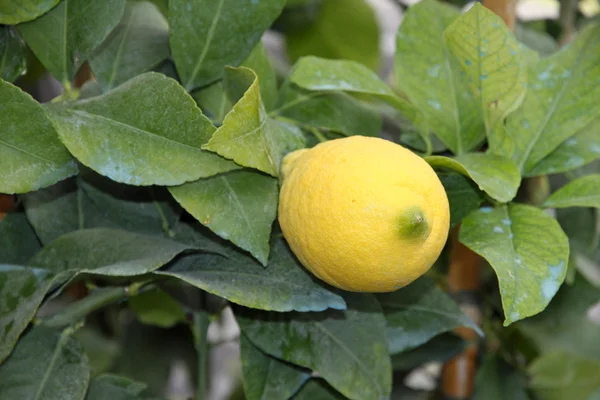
(173, 190)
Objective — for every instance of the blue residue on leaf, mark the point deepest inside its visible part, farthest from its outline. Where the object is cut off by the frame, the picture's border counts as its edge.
(486, 210)
(467, 62)
(435, 104)
(483, 77)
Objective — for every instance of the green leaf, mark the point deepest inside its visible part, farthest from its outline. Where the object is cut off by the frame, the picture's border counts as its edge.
(334, 111)
(427, 73)
(15, 11)
(489, 57)
(248, 136)
(157, 308)
(417, 313)
(318, 389)
(342, 29)
(207, 36)
(100, 349)
(561, 102)
(12, 55)
(441, 348)
(527, 249)
(31, 156)
(239, 206)
(565, 326)
(258, 61)
(266, 377)
(582, 192)
(462, 194)
(22, 290)
(214, 102)
(107, 252)
(540, 41)
(148, 131)
(64, 38)
(45, 365)
(114, 387)
(138, 43)
(558, 376)
(353, 339)
(498, 380)
(18, 241)
(496, 175)
(283, 286)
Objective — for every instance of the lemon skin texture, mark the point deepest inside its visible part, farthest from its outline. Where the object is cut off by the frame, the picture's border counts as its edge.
(362, 213)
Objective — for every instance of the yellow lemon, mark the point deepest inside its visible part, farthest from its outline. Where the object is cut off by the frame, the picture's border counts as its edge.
(363, 214)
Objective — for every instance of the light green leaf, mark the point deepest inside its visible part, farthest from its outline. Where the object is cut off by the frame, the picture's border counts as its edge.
(207, 36)
(539, 41)
(318, 389)
(31, 155)
(266, 377)
(561, 102)
(463, 196)
(258, 61)
(528, 251)
(490, 59)
(114, 387)
(15, 11)
(239, 206)
(558, 376)
(108, 252)
(64, 38)
(18, 241)
(12, 55)
(138, 43)
(496, 175)
(323, 342)
(22, 290)
(214, 102)
(428, 74)
(417, 313)
(342, 29)
(157, 308)
(283, 286)
(582, 192)
(248, 136)
(45, 365)
(498, 380)
(148, 131)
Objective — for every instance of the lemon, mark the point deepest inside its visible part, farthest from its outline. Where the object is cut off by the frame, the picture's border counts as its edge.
(363, 214)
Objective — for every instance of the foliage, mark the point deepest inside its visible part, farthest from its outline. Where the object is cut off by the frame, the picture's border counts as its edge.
(146, 200)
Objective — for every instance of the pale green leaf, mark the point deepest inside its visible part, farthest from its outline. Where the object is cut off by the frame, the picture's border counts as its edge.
(64, 38)
(22, 290)
(353, 339)
(342, 29)
(561, 101)
(539, 41)
(45, 365)
(428, 74)
(417, 313)
(559, 376)
(207, 36)
(496, 175)
(266, 377)
(114, 387)
(157, 308)
(526, 248)
(258, 61)
(490, 59)
(12, 55)
(31, 155)
(148, 131)
(283, 286)
(138, 43)
(16, 11)
(582, 192)
(18, 241)
(239, 206)
(498, 380)
(463, 196)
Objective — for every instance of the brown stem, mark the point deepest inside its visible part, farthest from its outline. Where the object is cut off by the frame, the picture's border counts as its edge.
(505, 9)
(6, 204)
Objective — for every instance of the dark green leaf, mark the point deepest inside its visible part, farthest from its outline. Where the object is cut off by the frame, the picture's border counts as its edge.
(239, 206)
(107, 252)
(156, 307)
(147, 131)
(417, 313)
(65, 37)
(353, 340)
(22, 290)
(283, 286)
(497, 380)
(582, 192)
(100, 349)
(528, 251)
(207, 36)
(496, 175)
(16, 11)
(45, 365)
(440, 348)
(31, 155)
(462, 194)
(18, 241)
(114, 387)
(343, 29)
(266, 377)
(138, 43)
(318, 389)
(12, 54)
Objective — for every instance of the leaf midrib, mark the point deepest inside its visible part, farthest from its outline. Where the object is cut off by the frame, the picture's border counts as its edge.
(28, 153)
(57, 349)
